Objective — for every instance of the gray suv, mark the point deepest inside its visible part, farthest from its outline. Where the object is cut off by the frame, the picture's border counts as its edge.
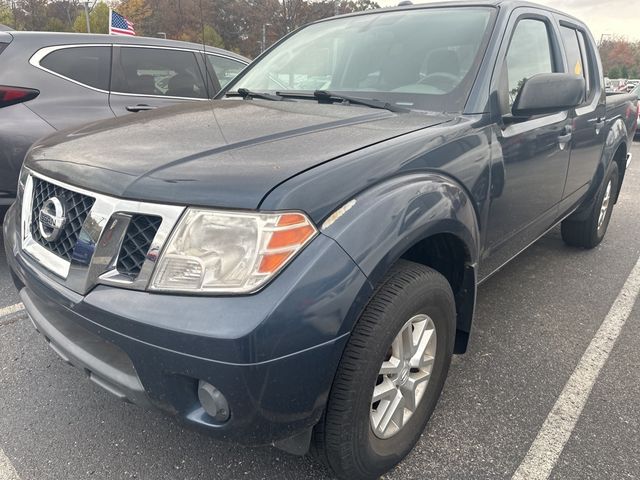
(52, 81)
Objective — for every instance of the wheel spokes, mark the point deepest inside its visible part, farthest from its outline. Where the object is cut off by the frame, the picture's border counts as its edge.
(426, 340)
(391, 366)
(385, 391)
(392, 415)
(411, 390)
(403, 377)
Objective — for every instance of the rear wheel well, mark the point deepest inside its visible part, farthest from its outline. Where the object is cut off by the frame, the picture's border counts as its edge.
(449, 256)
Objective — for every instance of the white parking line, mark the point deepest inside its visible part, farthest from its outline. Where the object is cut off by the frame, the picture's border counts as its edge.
(559, 424)
(18, 307)
(7, 472)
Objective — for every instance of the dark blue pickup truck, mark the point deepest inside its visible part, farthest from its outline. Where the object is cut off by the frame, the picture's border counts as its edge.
(295, 263)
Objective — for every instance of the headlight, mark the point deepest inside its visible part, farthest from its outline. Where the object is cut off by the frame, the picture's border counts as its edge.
(217, 251)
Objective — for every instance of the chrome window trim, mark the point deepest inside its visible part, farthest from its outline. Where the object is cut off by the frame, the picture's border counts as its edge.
(128, 45)
(122, 94)
(227, 57)
(105, 227)
(37, 57)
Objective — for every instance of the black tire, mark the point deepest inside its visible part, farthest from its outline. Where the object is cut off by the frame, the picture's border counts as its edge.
(344, 439)
(586, 233)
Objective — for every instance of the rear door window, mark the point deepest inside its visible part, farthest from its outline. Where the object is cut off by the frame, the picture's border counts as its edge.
(225, 68)
(86, 65)
(158, 72)
(572, 50)
(587, 64)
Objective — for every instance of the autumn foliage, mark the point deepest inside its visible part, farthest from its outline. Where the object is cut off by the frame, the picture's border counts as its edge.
(620, 58)
(233, 24)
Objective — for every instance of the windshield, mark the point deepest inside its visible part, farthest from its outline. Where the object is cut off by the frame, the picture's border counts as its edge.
(424, 59)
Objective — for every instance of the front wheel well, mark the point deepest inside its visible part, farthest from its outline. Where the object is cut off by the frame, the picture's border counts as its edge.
(448, 255)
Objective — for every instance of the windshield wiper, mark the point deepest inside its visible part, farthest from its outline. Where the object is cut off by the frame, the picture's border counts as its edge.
(246, 93)
(324, 96)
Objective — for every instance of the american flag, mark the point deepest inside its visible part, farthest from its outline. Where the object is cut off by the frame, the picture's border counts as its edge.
(118, 25)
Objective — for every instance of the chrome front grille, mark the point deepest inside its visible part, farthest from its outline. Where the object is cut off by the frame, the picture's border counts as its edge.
(99, 239)
(77, 208)
(137, 241)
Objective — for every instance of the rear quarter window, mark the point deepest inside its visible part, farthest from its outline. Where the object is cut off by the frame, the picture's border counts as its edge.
(89, 66)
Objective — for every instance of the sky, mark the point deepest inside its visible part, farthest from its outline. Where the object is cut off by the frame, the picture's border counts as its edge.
(614, 17)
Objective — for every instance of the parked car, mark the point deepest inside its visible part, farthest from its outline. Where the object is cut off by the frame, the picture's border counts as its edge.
(53, 81)
(636, 92)
(296, 267)
(632, 84)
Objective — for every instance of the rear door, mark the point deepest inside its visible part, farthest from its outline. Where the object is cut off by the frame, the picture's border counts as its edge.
(80, 93)
(589, 120)
(144, 78)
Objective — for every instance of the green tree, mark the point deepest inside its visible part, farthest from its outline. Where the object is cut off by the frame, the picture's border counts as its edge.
(98, 20)
(6, 16)
(54, 24)
(212, 37)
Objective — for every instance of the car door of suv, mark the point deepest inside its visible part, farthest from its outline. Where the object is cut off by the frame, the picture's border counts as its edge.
(144, 78)
(530, 166)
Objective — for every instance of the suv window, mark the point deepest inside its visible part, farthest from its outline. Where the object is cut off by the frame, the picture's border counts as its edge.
(161, 72)
(87, 65)
(529, 54)
(572, 49)
(225, 68)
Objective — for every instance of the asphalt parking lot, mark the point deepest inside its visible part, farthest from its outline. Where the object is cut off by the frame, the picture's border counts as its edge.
(535, 320)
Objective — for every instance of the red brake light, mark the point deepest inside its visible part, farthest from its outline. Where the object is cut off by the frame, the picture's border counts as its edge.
(13, 95)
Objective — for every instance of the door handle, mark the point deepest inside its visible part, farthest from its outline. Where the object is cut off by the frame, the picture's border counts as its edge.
(599, 125)
(141, 107)
(565, 138)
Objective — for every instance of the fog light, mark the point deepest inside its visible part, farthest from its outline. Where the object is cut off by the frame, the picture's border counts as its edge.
(213, 401)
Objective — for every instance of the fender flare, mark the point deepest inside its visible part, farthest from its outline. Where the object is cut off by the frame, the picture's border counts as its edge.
(617, 136)
(380, 224)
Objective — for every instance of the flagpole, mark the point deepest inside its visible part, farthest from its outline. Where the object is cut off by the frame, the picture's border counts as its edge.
(110, 17)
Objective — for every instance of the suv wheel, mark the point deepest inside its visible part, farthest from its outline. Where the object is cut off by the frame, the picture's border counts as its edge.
(589, 232)
(390, 376)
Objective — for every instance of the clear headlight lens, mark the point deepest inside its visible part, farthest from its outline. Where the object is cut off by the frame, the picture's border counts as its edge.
(218, 251)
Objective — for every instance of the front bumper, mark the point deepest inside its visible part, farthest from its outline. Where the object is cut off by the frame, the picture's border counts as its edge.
(273, 354)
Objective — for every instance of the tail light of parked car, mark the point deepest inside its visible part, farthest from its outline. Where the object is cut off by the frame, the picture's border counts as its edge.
(13, 95)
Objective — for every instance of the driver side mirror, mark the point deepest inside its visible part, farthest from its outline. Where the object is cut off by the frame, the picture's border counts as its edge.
(549, 93)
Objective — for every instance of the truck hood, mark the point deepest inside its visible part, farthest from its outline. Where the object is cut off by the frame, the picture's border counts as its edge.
(229, 153)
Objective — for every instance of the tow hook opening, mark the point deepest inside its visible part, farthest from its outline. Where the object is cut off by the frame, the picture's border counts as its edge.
(213, 402)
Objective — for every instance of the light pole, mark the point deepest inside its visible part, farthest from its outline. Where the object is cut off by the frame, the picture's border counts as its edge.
(264, 36)
(86, 16)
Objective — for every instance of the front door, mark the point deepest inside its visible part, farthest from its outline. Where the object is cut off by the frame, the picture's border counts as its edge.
(530, 166)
